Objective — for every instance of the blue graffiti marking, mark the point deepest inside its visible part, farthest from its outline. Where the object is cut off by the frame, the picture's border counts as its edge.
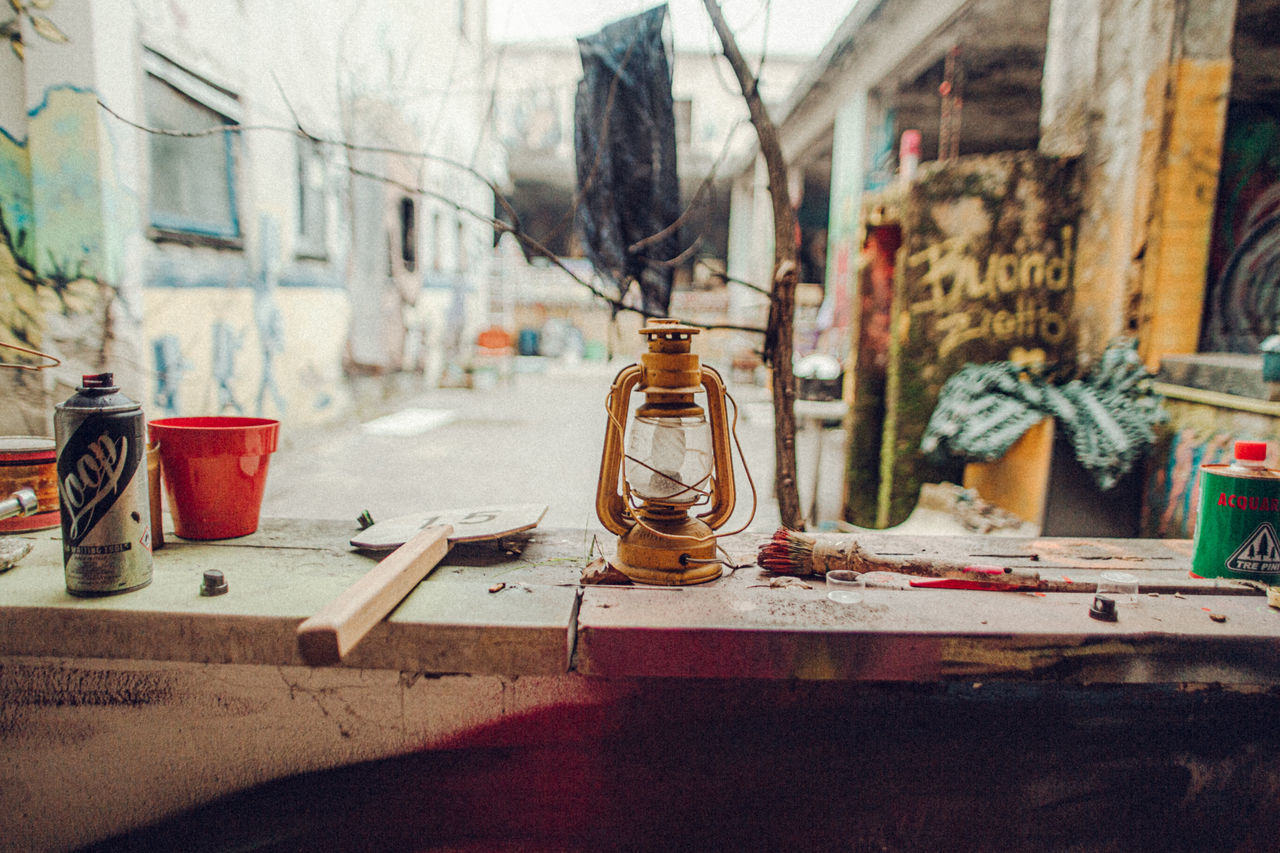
(170, 367)
(226, 343)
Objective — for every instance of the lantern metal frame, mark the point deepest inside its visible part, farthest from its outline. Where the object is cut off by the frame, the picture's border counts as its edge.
(658, 541)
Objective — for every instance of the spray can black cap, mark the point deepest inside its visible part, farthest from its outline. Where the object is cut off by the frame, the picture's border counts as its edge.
(98, 383)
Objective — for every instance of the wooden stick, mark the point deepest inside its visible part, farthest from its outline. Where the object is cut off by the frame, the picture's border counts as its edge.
(325, 637)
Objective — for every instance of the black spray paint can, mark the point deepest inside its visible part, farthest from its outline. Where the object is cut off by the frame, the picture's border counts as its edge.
(102, 487)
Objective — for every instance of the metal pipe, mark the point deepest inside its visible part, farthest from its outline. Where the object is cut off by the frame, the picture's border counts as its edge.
(22, 502)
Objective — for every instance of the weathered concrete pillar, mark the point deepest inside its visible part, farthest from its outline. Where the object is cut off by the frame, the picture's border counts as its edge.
(1140, 89)
(750, 246)
(71, 190)
(1070, 72)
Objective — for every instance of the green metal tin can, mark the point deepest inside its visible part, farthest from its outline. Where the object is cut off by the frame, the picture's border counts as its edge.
(1238, 527)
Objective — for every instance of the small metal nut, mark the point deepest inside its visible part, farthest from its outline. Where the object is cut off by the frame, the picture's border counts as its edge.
(1103, 608)
(214, 583)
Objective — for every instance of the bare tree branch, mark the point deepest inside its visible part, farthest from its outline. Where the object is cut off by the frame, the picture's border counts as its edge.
(778, 346)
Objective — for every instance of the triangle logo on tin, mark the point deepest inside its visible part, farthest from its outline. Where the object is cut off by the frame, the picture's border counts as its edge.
(1259, 554)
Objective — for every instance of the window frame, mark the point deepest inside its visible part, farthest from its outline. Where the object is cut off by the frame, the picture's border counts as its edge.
(225, 106)
(407, 223)
(312, 243)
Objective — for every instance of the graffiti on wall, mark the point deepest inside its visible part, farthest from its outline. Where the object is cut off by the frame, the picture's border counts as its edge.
(1244, 254)
(1172, 500)
(170, 368)
(53, 276)
(985, 274)
(968, 298)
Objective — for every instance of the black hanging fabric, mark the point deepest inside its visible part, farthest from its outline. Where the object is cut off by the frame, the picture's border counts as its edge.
(625, 140)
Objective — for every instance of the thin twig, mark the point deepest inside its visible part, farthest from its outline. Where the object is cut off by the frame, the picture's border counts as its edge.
(707, 182)
(529, 245)
(678, 259)
(747, 284)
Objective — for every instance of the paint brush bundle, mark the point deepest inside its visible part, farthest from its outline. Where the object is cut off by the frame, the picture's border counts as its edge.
(791, 552)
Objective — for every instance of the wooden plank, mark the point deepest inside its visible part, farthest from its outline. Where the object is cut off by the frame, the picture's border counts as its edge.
(328, 635)
(748, 625)
(749, 628)
(1177, 246)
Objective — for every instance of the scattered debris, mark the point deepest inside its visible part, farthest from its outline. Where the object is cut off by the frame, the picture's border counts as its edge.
(11, 551)
(781, 582)
(1218, 617)
(968, 507)
(1178, 595)
(498, 587)
(599, 572)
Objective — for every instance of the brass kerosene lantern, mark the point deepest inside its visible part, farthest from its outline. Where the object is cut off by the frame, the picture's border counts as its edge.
(676, 459)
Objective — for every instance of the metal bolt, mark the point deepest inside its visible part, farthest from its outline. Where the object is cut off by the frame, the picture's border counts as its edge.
(214, 583)
(22, 502)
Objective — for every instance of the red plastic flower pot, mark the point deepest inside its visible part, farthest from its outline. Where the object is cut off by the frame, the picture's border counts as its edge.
(214, 471)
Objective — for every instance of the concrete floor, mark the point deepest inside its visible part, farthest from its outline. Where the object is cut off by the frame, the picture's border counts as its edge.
(535, 438)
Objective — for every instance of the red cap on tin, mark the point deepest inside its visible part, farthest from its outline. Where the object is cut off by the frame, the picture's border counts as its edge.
(1251, 451)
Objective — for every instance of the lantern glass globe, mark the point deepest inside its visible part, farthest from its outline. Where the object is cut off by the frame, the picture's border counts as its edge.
(669, 459)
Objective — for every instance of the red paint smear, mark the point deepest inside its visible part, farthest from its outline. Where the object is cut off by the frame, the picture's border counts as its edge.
(559, 723)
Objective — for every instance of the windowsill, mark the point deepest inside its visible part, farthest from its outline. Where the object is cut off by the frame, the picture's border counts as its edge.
(1240, 373)
(189, 238)
(743, 626)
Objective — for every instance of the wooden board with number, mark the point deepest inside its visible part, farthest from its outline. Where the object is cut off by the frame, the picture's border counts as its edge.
(470, 524)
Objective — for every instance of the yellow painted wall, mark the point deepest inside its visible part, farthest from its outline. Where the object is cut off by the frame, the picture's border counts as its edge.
(1181, 217)
(307, 372)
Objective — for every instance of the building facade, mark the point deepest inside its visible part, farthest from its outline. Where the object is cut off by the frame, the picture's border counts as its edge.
(1166, 111)
(232, 206)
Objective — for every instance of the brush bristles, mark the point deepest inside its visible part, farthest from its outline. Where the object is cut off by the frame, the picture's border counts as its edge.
(789, 552)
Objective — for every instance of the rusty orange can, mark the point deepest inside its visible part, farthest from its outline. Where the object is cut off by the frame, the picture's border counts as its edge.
(28, 461)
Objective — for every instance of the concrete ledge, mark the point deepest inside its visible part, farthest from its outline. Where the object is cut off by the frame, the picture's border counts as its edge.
(748, 625)
(279, 576)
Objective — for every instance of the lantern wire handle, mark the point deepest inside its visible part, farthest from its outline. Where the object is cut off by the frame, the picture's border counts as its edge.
(36, 353)
(626, 487)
